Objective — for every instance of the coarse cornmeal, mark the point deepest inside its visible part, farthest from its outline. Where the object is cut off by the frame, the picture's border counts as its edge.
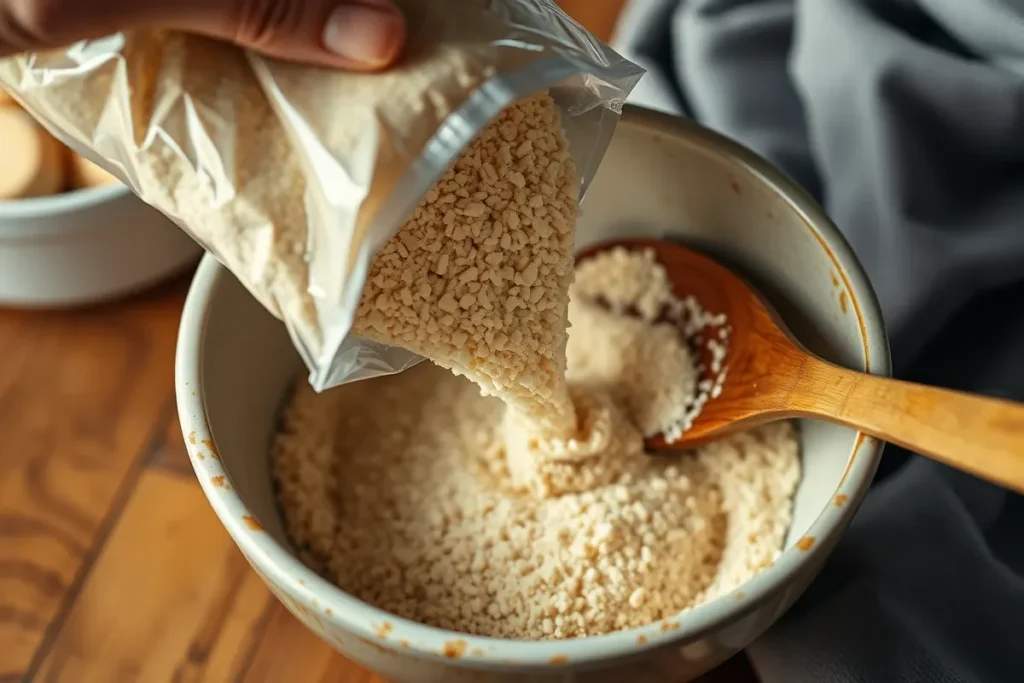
(477, 279)
(628, 294)
(424, 498)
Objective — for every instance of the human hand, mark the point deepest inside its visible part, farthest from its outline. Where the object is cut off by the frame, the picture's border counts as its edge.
(349, 34)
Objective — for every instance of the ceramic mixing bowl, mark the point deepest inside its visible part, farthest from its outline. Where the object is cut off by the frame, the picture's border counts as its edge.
(662, 177)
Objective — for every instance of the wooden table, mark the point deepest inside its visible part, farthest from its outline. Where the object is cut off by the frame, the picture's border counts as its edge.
(113, 567)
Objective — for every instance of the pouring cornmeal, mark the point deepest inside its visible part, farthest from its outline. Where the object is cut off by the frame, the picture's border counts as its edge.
(769, 375)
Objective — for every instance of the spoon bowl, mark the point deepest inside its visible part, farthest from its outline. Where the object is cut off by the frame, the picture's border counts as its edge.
(769, 375)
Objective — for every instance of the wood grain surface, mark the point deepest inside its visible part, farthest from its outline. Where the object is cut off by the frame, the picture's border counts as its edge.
(113, 567)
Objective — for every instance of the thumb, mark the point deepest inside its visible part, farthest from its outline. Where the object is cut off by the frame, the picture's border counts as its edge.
(348, 34)
(351, 34)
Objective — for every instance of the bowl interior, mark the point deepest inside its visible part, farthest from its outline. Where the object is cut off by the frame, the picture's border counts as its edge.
(707, 193)
(655, 183)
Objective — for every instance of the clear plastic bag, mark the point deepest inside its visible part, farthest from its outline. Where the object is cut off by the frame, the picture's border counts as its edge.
(294, 176)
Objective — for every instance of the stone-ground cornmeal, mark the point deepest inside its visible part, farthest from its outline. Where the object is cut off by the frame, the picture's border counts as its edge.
(477, 278)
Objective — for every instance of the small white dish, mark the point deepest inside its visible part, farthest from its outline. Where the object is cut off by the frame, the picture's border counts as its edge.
(86, 246)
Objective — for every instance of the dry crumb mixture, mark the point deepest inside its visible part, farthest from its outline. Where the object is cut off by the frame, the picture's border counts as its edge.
(436, 504)
(477, 279)
(627, 294)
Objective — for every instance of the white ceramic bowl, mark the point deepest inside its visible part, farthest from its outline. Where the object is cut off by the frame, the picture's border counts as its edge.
(86, 246)
(663, 177)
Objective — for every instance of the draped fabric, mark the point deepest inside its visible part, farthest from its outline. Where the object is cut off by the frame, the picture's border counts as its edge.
(905, 118)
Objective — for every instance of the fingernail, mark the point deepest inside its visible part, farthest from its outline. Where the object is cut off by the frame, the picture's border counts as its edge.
(367, 35)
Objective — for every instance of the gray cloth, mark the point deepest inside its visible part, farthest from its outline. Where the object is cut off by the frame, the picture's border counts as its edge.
(906, 119)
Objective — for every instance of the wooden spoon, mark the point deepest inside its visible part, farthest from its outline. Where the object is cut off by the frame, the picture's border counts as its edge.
(771, 376)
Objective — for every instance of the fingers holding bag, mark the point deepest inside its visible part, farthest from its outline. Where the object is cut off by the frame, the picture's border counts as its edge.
(349, 34)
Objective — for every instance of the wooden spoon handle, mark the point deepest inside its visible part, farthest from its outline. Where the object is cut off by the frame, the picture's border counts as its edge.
(983, 436)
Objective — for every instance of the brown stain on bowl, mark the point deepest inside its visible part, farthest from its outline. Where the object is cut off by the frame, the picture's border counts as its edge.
(806, 543)
(328, 611)
(840, 500)
(740, 595)
(477, 652)
(220, 481)
(857, 443)
(252, 523)
(839, 278)
(846, 285)
(455, 649)
(192, 437)
(736, 187)
(384, 629)
(403, 644)
(641, 639)
(842, 301)
(369, 643)
(669, 626)
(559, 660)
(213, 449)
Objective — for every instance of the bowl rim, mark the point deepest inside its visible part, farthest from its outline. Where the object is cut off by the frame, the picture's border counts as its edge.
(53, 206)
(405, 637)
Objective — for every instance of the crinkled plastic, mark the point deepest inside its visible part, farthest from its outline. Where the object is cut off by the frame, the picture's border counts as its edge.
(295, 176)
